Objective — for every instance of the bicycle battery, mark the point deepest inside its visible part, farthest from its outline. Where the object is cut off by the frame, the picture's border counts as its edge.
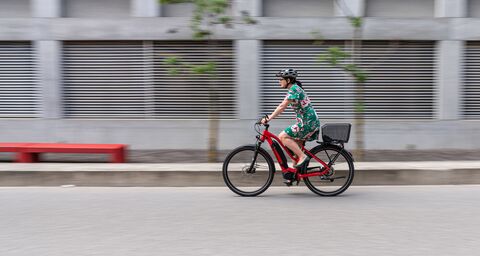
(279, 150)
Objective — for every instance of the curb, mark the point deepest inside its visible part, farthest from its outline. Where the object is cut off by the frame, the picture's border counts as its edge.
(209, 174)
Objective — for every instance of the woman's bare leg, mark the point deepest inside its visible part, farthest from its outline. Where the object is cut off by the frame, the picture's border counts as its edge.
(292, 144)
(300, 144)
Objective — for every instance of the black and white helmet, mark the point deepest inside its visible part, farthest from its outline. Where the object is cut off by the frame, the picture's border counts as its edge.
(288, 73)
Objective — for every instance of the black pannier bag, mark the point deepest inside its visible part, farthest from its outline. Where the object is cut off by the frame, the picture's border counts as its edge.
(336, 132)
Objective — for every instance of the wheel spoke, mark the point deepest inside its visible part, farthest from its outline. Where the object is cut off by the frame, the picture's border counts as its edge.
(244, 177)
(337, 179)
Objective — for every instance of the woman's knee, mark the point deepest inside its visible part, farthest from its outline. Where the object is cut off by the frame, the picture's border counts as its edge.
(283, 136)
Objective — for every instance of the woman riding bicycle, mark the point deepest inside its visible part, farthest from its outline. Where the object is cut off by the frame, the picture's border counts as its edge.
(249, 170)
(307, 124)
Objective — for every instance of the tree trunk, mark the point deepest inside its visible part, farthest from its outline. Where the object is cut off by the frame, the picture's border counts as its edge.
(359, 121)
(213, 111)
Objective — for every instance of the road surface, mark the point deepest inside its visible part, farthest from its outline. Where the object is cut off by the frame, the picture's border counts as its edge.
(374, 220)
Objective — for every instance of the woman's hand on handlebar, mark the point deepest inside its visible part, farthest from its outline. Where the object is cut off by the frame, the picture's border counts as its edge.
(265, 120)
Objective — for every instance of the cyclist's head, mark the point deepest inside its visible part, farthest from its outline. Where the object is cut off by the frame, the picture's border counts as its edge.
(287, 76)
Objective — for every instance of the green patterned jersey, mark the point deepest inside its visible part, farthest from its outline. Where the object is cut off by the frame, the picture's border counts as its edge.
(307, 125)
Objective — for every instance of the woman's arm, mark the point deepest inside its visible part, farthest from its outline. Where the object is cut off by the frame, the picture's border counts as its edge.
(280, 108)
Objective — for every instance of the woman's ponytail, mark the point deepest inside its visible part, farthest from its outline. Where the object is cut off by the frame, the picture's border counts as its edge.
(299, 83)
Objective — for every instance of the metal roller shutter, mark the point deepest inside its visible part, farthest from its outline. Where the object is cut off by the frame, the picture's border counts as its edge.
(18, 81)
(191, 95)
(471, 88)
(129, 79)
(400, 78)
(328, 88)
(105, 80)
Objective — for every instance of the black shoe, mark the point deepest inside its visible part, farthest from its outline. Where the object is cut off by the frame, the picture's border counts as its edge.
(302, 162)
(288, 178)
(303, 165)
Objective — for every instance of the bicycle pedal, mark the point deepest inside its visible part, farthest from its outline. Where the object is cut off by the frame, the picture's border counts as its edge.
(289, 183)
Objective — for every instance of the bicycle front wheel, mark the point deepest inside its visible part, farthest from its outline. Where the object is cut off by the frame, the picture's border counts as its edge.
(340, 176)
(247, 173)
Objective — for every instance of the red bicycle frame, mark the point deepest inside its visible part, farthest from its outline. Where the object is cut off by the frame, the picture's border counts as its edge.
(269, 137)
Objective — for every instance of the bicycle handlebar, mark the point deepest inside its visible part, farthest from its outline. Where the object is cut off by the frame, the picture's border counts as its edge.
(259, 122)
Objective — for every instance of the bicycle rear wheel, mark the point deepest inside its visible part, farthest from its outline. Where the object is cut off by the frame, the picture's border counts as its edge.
(247, 175)
(340, 176)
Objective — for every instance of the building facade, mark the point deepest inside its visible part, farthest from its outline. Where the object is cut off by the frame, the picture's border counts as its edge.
(94, 71)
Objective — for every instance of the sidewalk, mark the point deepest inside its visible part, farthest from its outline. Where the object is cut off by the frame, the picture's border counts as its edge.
(207, 174)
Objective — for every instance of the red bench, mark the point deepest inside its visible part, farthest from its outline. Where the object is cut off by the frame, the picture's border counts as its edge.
(29, 152)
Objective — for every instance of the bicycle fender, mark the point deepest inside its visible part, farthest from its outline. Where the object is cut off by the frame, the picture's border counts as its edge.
(349, 154)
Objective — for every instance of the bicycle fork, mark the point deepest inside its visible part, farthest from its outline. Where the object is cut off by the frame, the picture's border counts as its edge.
(258, 144)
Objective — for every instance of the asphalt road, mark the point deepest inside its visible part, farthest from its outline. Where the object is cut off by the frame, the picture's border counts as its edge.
(397, 220)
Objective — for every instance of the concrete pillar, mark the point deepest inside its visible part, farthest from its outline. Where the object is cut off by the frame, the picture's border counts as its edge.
(48, 62)
(449, 81)
(345, 8)
(145, 8)
(46, 8)
(449, 63)
(248, 64)
(48, 55)
(247, 78)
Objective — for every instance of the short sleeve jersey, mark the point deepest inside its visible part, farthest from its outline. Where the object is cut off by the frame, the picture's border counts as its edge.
(307, 119)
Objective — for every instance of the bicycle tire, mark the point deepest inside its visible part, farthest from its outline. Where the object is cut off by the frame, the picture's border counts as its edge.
(351, 171)
(261, 152)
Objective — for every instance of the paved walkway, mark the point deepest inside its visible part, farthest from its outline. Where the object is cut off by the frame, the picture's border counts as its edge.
(196, 167)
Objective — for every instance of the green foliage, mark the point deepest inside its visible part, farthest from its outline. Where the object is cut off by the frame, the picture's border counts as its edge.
(171, 61)
(334, 56)
(356, 22)
(175, 62)
(359, 107)
(211, 10)
(173, 71)
(360, 76)
(208, 68)
(356, 72)
(175, 1)
(216, 6)
(206, 14)
(176, 65)
(247, 19)
(317, 37)
(201, 34)
(225, 20)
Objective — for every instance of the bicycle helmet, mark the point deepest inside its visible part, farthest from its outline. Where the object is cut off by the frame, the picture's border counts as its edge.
(288, 73)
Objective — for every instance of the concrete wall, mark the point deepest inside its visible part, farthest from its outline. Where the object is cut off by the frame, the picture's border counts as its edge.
(473, 8)
(137, 20)
(403, 8)
(177, 10)
(193, 134)
(15, 9)
(301, 8)
(96, 8)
